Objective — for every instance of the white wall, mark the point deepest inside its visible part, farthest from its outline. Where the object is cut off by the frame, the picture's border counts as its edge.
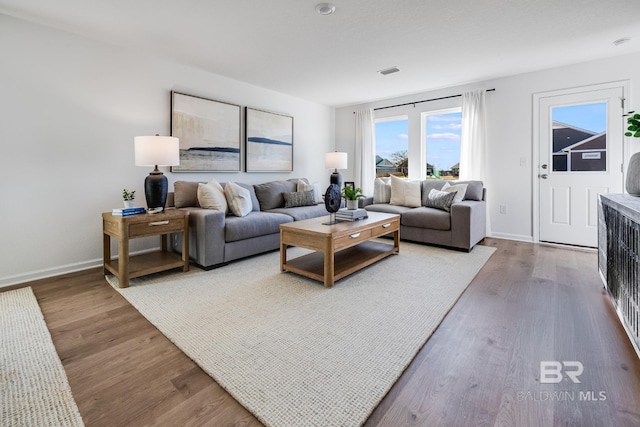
(69, 110)
(509, 125)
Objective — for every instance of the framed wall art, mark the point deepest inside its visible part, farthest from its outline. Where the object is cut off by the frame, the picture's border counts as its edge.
(209, 133)
(269, 141)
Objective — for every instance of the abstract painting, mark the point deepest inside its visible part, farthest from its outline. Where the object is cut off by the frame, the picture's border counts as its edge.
(209, 133)
(269, 146)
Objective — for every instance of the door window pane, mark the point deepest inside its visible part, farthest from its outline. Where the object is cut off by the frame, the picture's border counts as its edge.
(579, 140)
(392, 146)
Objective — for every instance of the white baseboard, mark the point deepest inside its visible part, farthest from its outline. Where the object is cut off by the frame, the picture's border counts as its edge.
(57, 271)
(507, 236)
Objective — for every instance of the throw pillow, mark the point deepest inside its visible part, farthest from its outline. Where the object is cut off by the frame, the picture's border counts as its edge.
(299, 198)
(317, 193)
(269, 194)
(474, 189)
(211, 196)
(185, 194)
(381, 190)
(440, 200)
(459, 189)
(405, 193)
(238, 198)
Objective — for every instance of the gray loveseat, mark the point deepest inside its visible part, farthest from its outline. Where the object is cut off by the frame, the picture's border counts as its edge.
(216, 239)
(461, 228)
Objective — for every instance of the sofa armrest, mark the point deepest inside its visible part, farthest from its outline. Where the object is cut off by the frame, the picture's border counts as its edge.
(206, 236)
(365, 202)
(468, 223)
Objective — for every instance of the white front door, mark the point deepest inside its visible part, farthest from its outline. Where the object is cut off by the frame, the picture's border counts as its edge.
(580, 156)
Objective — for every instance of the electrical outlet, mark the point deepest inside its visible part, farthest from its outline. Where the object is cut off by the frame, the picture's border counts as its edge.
(503, 209)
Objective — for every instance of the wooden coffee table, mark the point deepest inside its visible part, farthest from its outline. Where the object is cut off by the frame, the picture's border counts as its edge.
(341, 248)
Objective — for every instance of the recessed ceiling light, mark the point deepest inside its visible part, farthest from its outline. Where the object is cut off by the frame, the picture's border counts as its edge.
(325, 8)
(622, 40)
(389, 71)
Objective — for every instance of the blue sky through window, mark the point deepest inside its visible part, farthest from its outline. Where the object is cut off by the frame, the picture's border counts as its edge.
(443, 139)
(392, 136)
(592, 117)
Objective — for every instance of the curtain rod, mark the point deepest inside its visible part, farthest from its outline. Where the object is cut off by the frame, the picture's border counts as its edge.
(424, 100)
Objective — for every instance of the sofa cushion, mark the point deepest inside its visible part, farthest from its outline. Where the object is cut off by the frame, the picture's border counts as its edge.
(474, 189)
(270, 193)
(238, 199)
(211, 196)
(405, 192)
(185, 194)
(387, 208)
(303, 212)
(382, 190)
(424, 217)
(254, 224)
(440, 200)
(459, 189)
(430, 184)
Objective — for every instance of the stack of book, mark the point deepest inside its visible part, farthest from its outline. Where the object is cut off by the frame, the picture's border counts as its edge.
(128, 211)
(351, 214)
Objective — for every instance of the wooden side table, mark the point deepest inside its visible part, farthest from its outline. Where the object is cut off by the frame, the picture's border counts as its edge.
(144, 225)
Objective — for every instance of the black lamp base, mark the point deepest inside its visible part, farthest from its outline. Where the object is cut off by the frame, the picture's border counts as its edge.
(336, 179)
(155, 190)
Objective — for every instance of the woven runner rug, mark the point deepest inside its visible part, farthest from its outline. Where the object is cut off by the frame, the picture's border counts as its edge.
(34, 390)
(294, 352)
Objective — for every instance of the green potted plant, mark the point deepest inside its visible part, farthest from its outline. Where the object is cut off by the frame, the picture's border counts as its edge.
(129, 198)
(351, 195)
(632, 183)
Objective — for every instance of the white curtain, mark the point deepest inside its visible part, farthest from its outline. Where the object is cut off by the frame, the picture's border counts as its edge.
(365, 161)
(473, 145)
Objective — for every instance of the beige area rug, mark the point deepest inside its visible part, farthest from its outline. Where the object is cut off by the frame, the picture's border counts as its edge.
(295, 353)
(34, 390)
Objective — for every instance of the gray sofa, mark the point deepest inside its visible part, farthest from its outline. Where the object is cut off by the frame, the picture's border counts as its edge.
(216, 239)
(461, 228)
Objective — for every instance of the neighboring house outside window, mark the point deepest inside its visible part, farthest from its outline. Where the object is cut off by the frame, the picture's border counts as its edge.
(391, 146)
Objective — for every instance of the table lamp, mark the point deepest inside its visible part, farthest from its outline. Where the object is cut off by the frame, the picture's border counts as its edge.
(335, 161)
(156, 151)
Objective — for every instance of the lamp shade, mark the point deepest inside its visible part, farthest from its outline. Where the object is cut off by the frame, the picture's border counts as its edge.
(335, 160)
(157, 150)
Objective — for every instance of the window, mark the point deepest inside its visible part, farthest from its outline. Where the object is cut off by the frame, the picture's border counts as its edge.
(392, 146)
(442, 143)
(579, 140)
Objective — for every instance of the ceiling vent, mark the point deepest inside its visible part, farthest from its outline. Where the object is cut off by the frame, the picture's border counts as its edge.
(389, 71)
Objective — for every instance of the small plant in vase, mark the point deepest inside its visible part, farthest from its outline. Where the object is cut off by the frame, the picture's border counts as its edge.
(129, 198)
(351, 195)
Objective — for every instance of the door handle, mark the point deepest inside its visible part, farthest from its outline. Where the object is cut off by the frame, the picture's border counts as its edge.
(544, 166)
(544, 176)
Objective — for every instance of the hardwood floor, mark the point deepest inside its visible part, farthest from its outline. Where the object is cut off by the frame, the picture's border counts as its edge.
(529, 303)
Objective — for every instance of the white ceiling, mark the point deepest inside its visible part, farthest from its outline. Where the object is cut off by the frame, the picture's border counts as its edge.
(286, 46)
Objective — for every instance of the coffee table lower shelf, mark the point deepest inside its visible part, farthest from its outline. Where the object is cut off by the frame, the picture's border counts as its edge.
(346, 261)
